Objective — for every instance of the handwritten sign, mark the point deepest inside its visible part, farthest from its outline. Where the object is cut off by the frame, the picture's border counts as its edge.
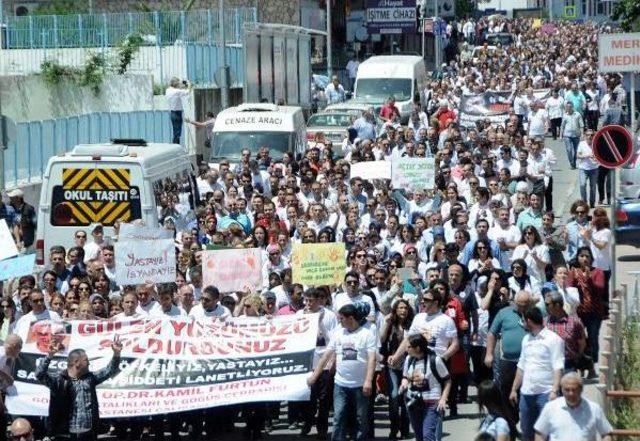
(413, 173)
(371, 170)
(17, 266)
(232, 269)
(141, 261)
(142, 232)
(8, 246)
(318, 263)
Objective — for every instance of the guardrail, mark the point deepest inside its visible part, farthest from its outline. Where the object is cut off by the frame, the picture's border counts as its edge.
(31, 144)
(623, 307)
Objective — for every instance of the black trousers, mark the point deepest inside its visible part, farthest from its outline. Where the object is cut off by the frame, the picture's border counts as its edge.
(506, 375)
(604, 184)
(548, 195)
(320, 403)
(592, 117)
(555, 127)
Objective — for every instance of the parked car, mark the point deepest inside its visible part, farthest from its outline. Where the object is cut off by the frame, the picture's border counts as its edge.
(630, 178)
(333, 124)
(627, 229)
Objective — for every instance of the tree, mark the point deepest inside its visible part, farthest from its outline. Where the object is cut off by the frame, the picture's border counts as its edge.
(62, 7)
(628, 13)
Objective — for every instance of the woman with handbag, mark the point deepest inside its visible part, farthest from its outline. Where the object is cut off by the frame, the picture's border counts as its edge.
(427, 384)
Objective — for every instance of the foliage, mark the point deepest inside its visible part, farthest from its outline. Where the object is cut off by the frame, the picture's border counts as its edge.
(126, 51)
(628, 13)
(62, 7)
(158, 89)
(92, 73)
(625, 413)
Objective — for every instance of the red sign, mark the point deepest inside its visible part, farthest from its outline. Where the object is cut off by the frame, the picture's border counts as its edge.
(612, 146)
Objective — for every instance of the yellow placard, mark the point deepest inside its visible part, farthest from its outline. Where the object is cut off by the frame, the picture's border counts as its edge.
(537, 23)
(317, 264)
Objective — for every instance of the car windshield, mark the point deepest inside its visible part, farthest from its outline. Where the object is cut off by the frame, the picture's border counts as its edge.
(330, 120)
(229, 144)
(379, 89)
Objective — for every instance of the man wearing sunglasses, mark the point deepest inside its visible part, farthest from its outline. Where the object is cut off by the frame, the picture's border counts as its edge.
(20, 430)
(38, 312)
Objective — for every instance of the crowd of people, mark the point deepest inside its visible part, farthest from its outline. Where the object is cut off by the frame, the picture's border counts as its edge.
(467, 281)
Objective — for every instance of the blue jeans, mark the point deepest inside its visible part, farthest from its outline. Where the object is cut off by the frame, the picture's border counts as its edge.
(176, 125)
(571, 145)
(592, 177)
(344, 397)
(426, 422)
(397, 410)
(530, 408)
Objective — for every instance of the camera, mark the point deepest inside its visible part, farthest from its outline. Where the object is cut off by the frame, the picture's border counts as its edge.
(414, 398)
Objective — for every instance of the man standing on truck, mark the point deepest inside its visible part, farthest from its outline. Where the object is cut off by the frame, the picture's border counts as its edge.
(334, 91)
(175, 94)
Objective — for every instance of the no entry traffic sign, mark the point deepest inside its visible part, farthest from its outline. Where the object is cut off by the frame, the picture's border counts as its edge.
(612, 146)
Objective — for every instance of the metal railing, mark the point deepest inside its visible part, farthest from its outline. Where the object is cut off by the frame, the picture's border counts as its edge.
(623, 307)
(109, 29)
(31, 144)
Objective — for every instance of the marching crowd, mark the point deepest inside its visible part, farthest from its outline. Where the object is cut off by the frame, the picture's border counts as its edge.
(467, 281)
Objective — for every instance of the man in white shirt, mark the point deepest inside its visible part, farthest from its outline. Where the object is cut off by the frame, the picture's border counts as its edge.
(352, 68)
(146, 301)
(209, 305)
(174, 94)
(38, 312)
(165, 299)
(334, 91)
(351, 293)
(539, 371)
(572, 417)
(538, 121)
(507, 235)
(92, 249)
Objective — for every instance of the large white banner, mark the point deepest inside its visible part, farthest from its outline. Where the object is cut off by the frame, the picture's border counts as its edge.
(143, 261)
(7, 244)
(175, 365)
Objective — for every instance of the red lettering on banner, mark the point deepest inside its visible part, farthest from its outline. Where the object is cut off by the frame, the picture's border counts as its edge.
(178, 326)
(625, 44)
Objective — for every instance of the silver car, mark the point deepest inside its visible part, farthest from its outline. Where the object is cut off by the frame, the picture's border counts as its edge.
(333, 124)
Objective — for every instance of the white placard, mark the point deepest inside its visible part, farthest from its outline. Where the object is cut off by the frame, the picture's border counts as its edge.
(8, 246)
(371, 170)
(143, 261)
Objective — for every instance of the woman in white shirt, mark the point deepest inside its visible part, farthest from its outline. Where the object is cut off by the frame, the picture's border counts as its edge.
(482, 260)
(599, 238)
(555, 109)
(533, 252)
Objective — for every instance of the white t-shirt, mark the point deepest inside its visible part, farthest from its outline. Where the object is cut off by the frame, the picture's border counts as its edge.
(588, 163)
(584, 422)
(533, 270)
(511, 234)
(23, 324)
(148, 308)
(423, 368)
(219, 311)
(342, 298)
(328, 323)
(601, 257)
(439, 326)
(352, 350)
(173, 312)
(174, 97)
(536, 123)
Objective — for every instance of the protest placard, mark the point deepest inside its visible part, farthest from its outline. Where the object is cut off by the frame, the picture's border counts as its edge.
(371, 170)
(17, 266)
(317, 264)
(142, 261)
(142, 232)
(8, 246)
(171, 365)
(413, 173)
(232, 269)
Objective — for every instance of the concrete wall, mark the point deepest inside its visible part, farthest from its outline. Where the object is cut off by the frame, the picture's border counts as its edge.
(162, 63)
(28, 98)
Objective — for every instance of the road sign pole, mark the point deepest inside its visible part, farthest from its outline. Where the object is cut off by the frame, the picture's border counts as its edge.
(633, 105)
(614, 205)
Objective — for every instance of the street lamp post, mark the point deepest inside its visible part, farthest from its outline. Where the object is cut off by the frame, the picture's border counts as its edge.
(329, 52)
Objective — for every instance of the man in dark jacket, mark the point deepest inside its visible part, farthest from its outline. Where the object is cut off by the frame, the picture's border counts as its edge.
(73, 407)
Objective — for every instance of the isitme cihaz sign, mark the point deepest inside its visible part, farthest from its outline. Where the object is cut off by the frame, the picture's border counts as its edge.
(391, 16)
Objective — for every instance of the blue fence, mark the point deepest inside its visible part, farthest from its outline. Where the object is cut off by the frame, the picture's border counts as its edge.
(105, 30)
(203, 66)
(31, 144)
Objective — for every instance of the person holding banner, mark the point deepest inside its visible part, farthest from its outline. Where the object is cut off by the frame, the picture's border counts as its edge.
(73, 405)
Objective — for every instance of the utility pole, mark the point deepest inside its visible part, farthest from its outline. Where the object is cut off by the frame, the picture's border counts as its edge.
(329, 52)
(222, 59)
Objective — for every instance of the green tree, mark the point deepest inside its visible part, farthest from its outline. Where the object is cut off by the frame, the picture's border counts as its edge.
(628, 13)
(62, 7)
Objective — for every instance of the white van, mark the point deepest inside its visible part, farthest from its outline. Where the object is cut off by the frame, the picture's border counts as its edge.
(400, 76)
(255, 125)
(108, 183)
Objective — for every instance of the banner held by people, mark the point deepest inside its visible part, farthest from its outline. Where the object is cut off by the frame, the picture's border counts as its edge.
(8, 246)
(17, 266)
(491, 106)
(232, 269)
(317, 264)
(141, 261)
(175, 365)
(413, 173)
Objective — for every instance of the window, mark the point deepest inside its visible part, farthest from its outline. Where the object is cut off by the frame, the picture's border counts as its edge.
(380, 89)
